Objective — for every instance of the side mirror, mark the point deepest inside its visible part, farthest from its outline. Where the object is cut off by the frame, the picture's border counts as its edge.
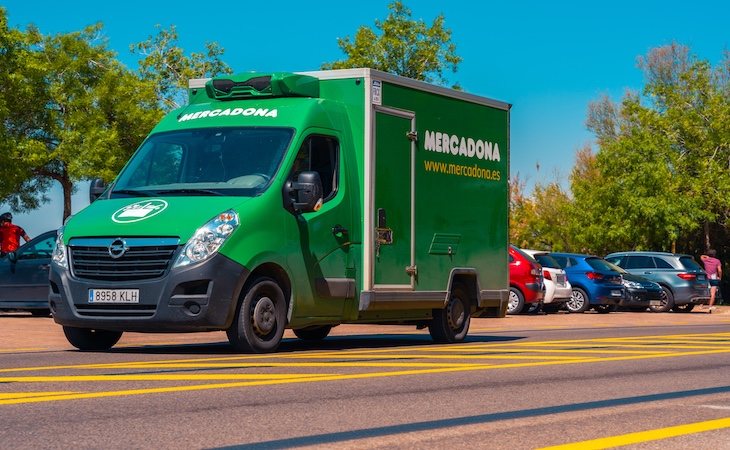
(96, 188)
(306, 192)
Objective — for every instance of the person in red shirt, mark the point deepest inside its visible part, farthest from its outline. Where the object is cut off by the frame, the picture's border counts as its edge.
(713, 267)
(10, 234)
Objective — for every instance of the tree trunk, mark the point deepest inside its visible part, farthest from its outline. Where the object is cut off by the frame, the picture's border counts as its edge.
(67, 186)
(707, 235)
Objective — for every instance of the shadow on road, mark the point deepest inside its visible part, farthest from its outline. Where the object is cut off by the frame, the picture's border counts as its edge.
(331, 343)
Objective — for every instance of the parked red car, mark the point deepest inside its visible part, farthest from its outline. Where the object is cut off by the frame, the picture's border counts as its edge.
(525, 281)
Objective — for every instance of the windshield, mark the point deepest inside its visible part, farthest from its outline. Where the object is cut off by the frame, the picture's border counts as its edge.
(546, 260)
(211, 161)
(616, 268)
(599, 264)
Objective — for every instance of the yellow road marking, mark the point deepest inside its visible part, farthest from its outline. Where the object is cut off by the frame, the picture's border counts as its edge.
(27, 349)
(645, 436)
(14, 395)
(318, 378)
(157, 377)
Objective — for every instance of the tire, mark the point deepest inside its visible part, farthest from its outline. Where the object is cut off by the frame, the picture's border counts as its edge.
(667, 301)
(516, 301)
(578, 302)
(260, 318)
(314, 333)
(40, 312)
(605, 309)
(91, 340)
(451, 324)
(687, 307)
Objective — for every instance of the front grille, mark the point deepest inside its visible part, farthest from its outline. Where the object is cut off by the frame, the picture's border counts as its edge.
(144, 259)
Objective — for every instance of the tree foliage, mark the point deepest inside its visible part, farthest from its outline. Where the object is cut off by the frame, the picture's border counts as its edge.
(661, 170)
(165, 65)
(70, 111)
(403, 46)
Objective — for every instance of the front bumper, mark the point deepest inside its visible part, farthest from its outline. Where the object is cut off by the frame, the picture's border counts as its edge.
(200, 297)
(640, 297)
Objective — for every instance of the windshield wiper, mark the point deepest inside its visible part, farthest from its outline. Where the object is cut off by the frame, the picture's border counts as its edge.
(133, 192)
(189, 191)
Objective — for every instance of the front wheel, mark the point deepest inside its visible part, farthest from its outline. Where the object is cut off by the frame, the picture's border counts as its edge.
(451, 324)
(578, 302)
(260, 318)
(667, 301)
(90, 340)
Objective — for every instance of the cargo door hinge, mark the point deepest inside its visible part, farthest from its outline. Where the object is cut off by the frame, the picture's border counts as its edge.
(412, 136)
(412, 271)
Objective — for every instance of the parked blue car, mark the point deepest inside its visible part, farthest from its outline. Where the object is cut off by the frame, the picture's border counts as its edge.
(595, 284)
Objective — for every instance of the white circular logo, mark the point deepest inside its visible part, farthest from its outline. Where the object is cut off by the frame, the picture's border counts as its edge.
(139, 211)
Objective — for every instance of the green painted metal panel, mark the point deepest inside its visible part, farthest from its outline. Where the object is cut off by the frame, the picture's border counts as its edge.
(444, 244)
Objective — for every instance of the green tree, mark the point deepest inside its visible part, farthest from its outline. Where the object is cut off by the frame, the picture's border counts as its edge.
(403, 46)
(662, 160)
(70, 112)
(165, 65)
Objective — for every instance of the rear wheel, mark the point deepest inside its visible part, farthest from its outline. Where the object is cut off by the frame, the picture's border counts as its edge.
(260, 318)
(578, 302)
(90, 340)
(667, 301)
(451, 324)
(516, 301)
(313, 333)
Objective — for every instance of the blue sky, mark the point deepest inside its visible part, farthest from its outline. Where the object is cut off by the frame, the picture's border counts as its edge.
(548, 59)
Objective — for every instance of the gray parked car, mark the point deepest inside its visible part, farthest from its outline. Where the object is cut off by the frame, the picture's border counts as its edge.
(683, 280)
(24, 276)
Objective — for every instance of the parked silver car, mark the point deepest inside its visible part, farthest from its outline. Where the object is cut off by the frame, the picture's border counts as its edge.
(24, 276)
(683, 280)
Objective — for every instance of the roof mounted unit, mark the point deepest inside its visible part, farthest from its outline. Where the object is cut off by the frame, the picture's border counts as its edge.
(255, 85)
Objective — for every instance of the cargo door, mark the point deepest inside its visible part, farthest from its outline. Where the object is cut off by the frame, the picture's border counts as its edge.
(394, 258)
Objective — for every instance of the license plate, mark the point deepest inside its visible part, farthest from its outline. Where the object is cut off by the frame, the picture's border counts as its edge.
(113, 295)
(615, 293)
(655, 303)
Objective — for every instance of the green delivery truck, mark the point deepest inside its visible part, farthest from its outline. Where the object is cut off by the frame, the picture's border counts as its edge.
(301, 201)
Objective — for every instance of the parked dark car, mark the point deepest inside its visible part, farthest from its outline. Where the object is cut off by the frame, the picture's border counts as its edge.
(684, 281)
(595, 284)
(639, 292)
(24, 276)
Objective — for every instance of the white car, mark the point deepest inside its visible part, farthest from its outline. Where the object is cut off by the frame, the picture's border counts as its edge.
(557, 287)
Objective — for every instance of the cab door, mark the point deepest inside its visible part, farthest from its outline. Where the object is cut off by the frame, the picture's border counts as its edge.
(324, 235)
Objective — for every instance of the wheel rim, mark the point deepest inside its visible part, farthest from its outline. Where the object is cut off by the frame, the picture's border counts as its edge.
(264, 316)
(456, 314)
(664, 299)
(576, 301)
(514, 301)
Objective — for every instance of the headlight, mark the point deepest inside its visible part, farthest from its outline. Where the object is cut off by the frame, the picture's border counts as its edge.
(632, 284)
(59, 251)
(208, 239)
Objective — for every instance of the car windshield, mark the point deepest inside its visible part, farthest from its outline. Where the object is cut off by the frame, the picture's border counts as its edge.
(211, 161)
(599, 264)
(546, 260)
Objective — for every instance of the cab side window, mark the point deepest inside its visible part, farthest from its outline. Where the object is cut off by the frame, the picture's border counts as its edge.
(319, 154)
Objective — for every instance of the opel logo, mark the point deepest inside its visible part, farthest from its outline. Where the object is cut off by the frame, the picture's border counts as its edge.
(118, 248)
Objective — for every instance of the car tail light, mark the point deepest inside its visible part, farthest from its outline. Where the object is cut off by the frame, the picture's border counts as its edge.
(546, 275)
(594, 276)
(687, 276)
(535, 271)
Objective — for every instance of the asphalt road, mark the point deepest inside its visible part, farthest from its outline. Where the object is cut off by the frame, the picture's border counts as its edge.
(581, 380)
